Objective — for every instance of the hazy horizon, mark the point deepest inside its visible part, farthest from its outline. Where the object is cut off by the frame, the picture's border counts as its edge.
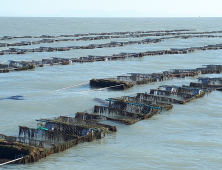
(108, 8)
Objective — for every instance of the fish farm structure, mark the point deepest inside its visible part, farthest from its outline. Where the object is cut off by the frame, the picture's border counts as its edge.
(57, 134)
(53, 135)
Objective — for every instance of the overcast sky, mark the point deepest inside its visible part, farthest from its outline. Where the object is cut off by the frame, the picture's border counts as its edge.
(111, 8)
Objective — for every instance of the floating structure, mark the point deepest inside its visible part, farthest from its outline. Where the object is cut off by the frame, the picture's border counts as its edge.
(52, 136)
(90, 58)
(165, 34)
(111, 83)
(60, 133)
(201, 85)
(209, 80)
(112, 44)
(106, 45)
(65, 61)
(110, 33)
(16, 66)
(86, 37)
(127, 81)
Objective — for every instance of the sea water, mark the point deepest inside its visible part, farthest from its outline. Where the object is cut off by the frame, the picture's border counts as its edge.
(187, 137)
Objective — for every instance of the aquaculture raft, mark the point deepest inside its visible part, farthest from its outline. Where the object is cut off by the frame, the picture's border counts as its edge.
(110, 83)
(52, 136)
(130, 79)
(111, 44)
(58, 134)
(163, 36)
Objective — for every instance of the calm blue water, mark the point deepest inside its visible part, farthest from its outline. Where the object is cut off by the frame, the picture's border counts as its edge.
(187, 137)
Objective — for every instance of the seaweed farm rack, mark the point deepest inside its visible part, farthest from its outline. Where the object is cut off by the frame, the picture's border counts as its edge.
(60, 133)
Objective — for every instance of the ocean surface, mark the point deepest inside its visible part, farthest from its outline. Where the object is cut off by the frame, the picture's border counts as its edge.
(187, 137)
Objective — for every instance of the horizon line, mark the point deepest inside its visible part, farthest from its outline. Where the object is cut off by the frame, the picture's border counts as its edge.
(111, 17)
